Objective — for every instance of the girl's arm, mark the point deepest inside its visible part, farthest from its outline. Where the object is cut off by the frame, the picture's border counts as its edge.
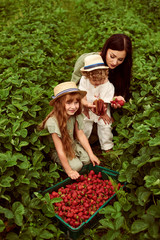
(76, 75)
(85, 144)
(87, 104)
(62, 156)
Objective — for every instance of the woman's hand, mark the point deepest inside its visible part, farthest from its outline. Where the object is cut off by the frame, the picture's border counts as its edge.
(119, 103)
(73, 174)
(94, 160)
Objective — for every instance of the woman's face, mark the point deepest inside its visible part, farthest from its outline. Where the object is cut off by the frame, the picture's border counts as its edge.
(115, 58)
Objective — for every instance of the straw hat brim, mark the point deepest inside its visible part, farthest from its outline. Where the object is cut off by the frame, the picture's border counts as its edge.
(82, 93)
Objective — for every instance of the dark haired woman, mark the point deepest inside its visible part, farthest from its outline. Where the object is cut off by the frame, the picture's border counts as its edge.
(117, 55)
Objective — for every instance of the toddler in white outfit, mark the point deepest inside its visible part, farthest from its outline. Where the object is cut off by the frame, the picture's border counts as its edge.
(95, 81)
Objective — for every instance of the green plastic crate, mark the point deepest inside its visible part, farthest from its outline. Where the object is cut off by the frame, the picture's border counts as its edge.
(74, 233)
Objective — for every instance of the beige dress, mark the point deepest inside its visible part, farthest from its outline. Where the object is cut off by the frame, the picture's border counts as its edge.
(82, 157)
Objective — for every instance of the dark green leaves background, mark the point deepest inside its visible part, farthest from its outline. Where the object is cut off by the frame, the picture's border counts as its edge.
(39, 44)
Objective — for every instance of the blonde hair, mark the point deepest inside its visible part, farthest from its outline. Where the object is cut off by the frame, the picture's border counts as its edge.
(99, 74)
(60, 113)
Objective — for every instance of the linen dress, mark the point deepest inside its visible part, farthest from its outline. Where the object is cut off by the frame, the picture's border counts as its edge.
(106, 93)
(82, 157)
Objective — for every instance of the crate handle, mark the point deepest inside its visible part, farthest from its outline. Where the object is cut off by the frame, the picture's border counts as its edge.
(110, 173)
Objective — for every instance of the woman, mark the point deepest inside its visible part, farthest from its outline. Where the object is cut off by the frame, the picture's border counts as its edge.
(117, 55)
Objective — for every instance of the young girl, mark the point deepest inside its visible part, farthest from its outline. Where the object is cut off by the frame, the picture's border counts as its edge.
(95, 82)
(65, 124)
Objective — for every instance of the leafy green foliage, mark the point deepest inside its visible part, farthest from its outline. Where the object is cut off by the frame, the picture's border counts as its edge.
(39, 44)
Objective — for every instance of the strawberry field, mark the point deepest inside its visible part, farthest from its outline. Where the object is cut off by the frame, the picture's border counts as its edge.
(39, 44)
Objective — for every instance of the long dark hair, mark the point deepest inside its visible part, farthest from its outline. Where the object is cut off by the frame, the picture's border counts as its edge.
(121, 75)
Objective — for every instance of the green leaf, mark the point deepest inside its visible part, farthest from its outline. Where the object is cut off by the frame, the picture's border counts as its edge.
(48, 210)
(154, 141)
(154, 211)
(18, 210)
(26, 124)
(5, 181)
(44, 132)
(154, 230)
(139, 226)
(8, 213)
(119, 222)
(117, 206)
(15, 126)
(2, 226)
(52, 228)
(107, 210)
(11, 162)
(111, 235)
(12, 236)
(23, 143)
(4, 93)
(36, 157)
(143, 195)
(130, 172)
(23, 133)
(35, 108)
(24, 165)
(46, 235)
(106, 223)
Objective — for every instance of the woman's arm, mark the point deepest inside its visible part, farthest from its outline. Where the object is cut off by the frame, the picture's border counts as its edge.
(76, 75)
(62, 156)
(85, 144)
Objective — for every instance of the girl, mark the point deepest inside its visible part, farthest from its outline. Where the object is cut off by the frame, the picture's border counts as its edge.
(95, 81)
(65, 124)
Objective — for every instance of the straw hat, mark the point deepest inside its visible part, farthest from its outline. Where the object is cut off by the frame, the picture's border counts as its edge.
(64, 88)
(93, 62)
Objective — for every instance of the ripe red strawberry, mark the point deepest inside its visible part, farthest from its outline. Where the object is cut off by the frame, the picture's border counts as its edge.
(100, 175)
(121, 102)
(74, 195)
(116, 101)
(91, 172)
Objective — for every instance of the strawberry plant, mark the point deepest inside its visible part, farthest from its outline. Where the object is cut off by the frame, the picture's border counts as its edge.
(39, 44)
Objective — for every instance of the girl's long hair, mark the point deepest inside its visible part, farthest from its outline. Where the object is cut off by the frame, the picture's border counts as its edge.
(60, 114)
(121, 75)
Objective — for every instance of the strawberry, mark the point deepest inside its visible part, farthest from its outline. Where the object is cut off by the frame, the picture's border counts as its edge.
(100, 175)
(91, 172)
(116, 101)
(121, 102)
(74, 195)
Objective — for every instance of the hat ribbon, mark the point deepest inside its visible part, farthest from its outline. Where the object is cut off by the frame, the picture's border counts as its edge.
(65, 91)
(94, 65)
